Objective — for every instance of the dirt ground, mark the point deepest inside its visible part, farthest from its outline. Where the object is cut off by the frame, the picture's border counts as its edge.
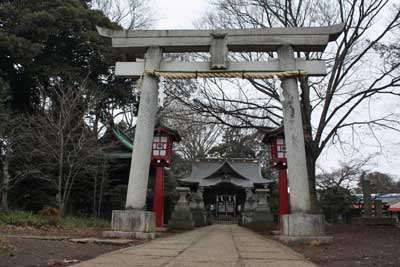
(356, 246)
(27, 252)
(17, 252)
(352, 246)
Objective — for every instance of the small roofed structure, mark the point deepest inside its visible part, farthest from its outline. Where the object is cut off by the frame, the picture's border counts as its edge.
(394, 207)
(124, 142)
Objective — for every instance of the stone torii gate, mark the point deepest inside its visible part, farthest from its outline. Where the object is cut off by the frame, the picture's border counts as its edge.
(151, 44)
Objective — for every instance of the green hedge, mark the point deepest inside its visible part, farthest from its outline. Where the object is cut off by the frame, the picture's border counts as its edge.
(23, 218)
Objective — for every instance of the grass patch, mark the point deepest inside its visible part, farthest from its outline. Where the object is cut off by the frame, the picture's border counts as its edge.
(6, 248)
(23, 218)
(72, 222)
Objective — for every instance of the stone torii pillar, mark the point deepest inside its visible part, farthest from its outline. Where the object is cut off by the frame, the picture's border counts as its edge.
(294, 136)
(299, 224)
(141, 153)
(135, 222)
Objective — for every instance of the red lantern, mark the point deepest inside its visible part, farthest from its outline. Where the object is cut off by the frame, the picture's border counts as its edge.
(161, 157)
(278, 151)
(162, 147)
(277, 145)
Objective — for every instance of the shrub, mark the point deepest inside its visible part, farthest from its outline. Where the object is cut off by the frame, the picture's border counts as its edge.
(21, 218)
(72, 222)
(335, 201)
(49, 216)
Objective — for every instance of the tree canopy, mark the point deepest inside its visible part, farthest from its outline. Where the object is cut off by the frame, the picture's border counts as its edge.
(47, 42)
(57, 90)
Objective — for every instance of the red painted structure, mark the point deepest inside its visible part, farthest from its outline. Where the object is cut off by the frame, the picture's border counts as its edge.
(158, 197)
(279, 162)
(161, 158)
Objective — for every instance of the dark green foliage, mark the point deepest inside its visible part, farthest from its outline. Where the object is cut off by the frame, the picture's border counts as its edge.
(335, 201)
(74, 222)
(45, 42)
(32, 194)
(23, 218)
(49, 48)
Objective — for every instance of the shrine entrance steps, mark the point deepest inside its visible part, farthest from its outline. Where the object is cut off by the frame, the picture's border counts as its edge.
(216, 245)
(224, 219)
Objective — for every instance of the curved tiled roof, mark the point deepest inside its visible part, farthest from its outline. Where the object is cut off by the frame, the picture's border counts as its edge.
(243, 173)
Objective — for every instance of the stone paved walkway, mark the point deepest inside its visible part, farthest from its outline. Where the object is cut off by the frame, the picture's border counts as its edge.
(217, 245)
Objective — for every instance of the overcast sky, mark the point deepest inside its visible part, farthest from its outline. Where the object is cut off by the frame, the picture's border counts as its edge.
(178, 14)
(181, 14)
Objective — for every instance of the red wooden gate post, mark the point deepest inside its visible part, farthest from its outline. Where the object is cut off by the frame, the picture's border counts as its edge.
(283, 204)
(158, 198)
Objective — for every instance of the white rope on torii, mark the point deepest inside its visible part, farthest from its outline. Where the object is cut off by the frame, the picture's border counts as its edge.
(187, 75)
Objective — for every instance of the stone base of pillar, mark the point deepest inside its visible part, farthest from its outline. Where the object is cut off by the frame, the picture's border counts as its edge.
(307, 240)
(301, 224)
(199, 217)
(130, 235)
(134, 224)
(304, 228)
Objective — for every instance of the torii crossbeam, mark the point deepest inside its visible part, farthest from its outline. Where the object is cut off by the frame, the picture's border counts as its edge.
(284, 41)
(313, 39)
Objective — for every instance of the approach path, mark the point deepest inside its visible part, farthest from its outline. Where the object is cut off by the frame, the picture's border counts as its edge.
(217, 245)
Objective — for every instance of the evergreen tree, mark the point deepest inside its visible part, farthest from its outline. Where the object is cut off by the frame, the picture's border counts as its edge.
(48, 47)
(47, 42)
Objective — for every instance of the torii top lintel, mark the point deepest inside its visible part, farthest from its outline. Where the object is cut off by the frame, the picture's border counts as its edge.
(311, 39)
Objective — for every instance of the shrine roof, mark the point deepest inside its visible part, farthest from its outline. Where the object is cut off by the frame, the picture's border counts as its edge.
(241, 172)
(272, 132)
(123, 139)
(394, 207)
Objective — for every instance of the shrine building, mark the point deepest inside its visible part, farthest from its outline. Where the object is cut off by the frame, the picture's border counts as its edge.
(225, 184)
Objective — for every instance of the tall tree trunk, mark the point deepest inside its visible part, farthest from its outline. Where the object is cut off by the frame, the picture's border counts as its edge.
(103, 178)
(311, 148)
(59, 196)
(5, 185)
(311, 162)
(95, 179)
(94, 207)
